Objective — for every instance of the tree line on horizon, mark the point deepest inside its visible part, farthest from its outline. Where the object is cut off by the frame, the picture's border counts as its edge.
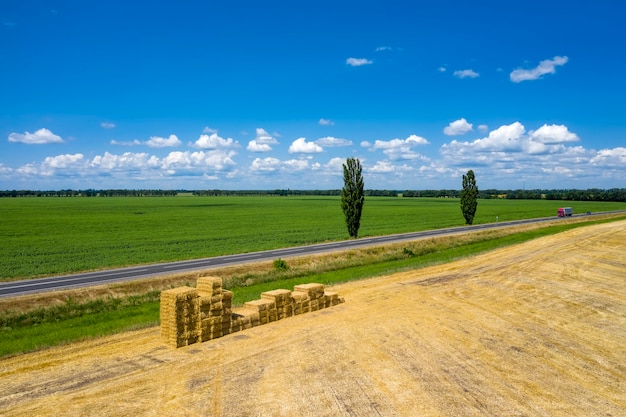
(591, 194)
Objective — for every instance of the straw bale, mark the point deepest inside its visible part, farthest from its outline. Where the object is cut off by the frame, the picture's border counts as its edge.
(314, 290)
(217, 306)
(209, 285)
(334, 298)
(299, 296)
(324, 301)
(179, 310)
(260, 305)
(217, 298)
(227, 299)
(252, 315)
(314, 305)
(280, 297)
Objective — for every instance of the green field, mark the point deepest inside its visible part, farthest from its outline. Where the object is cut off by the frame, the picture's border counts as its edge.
(46, 236)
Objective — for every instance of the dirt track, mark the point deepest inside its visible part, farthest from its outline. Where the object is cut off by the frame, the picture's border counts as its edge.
(537, 329)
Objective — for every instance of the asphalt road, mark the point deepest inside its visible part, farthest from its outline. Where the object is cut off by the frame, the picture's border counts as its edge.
(16, 288)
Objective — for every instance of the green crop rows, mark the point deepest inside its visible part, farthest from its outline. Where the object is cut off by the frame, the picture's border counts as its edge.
(46, 236)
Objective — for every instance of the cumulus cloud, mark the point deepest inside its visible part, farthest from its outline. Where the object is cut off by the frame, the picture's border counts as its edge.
(177, 163)
(262, 142)
(504, 138)
(326, 122)
(399, 148)
(510, 153)
(63, 161)
(159, 142)
(197, 163)
(125, 143)
(615, 157)
(40, 137)
(331, 141)
(468, 73)
(213, 141)
(265, 165)
(295, 165)
(382, 167)
(458, 127)
(553, 134)
(547, 66)
(128, 161)
(207, 129)
(254, 146)
(357, 62)
(300, 145)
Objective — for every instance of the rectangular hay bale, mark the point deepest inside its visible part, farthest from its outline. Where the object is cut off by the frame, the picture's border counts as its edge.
(313, 290)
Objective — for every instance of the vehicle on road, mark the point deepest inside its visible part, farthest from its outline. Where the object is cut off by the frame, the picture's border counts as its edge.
(564, 212)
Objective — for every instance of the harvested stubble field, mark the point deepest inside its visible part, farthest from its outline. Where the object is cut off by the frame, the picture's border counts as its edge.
(534, 329)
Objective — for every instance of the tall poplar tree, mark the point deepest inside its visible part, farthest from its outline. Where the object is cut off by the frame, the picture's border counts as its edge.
(352, 195)
(469, 196)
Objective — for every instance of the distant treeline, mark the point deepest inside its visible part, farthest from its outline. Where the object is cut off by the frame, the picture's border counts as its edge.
(593, 194)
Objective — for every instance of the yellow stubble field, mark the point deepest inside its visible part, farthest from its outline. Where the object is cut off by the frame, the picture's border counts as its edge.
(529, 330)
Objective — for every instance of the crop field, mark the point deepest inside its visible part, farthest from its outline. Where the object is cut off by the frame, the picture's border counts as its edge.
(47, 236)
(534, 329)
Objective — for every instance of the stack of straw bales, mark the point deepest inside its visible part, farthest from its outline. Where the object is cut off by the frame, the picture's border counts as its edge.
(179, 316)
(190, 315)
(215, 308)
(283, 302)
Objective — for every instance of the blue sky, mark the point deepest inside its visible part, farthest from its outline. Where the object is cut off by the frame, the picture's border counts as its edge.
(277, 94)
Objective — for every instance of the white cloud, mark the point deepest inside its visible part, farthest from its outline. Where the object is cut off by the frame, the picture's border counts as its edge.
(326, 122)
(366, 144)
(128, 161)
(458, 127)
(615, 157)
(197, 163)
(383, 48)
(509, 155)
(357, 62)
(213, 141)
(483, 128)
(207, 129)
(553, 134)
(125, 143)
(63, 161)
(295, 165)
(159, 142)
(382, 167)
(336, 164)
(442, 69)
(107, 125)
(547, 66)
(331, 141)
(254, 146)
(265, 165)
(400, 148)
(262, 142)
(300, 145)
(40, 137)
(468, 73)
(504, 138)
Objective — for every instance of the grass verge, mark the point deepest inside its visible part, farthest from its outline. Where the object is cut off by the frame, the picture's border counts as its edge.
(71, 321)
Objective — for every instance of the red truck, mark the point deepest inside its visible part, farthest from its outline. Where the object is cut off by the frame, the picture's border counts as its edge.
(564, 211)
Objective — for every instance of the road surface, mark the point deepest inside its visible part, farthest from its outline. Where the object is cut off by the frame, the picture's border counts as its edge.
(16, 288)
